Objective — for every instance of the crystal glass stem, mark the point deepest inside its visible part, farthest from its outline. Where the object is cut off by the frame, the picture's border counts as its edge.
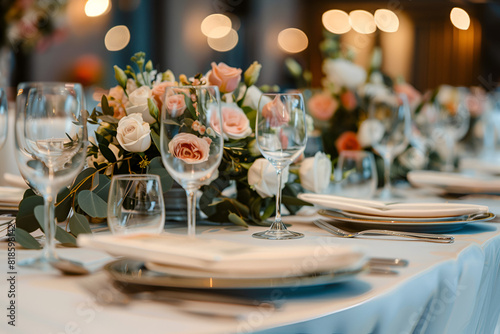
(191, 211)
(49, 228)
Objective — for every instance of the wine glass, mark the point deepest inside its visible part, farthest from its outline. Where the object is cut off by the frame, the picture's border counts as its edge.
(390, 127)
(356, 174)
(450, 124)
(4, 122)
(191, 139)
(51, 140)
(136, 204)
(281, 136)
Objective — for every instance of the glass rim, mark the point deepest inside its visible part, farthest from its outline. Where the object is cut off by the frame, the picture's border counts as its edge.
(48, 83)
(135, 177)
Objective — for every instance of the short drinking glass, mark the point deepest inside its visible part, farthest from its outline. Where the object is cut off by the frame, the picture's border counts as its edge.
(356, 174)
(136, 204)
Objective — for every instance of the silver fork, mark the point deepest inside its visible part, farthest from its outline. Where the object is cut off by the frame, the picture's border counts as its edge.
(411, 235)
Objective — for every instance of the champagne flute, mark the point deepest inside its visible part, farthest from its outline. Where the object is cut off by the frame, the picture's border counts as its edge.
(4, 120)
(281, 133)
(390, 123)
(191, 139)
(51, 140)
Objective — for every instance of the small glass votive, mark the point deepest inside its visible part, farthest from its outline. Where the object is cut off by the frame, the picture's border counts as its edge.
(136, 204)
(356, 174)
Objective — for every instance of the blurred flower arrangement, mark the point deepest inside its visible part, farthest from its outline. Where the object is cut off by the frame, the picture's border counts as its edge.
(29, 23)
(127, 141)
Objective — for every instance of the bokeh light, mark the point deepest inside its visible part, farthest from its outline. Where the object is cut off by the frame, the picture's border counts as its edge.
(117, 38)
(95, 8)
(386, 20)
(336, 21)
(292, 40)
(362, 21)
(225, 43)
(216, 26)
(460, 18)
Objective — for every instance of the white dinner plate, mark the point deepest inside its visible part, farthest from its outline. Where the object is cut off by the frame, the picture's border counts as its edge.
(135, 272)
(409, 225)
(455, 183)
(378, 208)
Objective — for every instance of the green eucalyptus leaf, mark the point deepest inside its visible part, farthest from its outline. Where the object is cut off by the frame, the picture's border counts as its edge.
(166, 180)
(92, 204)
(156, 162)
(26, 240)
(25, 218)
(107, 153)
(290, 200)
(101, 140)
(28, 193)
(268, 211)
(64, 237)
(236, 220)
(156, 140)
(102, 190)
(78, 224)
(64, 202)
(85, 180)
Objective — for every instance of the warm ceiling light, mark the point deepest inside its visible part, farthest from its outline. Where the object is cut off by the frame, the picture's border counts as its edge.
(117, 38)
(460, 18)
(95, 8)
(225, 43)
(216, 26)
(336, 21)
(292, 40)
(362, 21)
(386, 20)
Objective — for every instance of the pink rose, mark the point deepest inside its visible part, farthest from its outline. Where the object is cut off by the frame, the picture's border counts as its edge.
(276, 112)
(189, 148)
(348, 100)
(176, 105)
(117, 100)
(235, 123)
(158, 92)
(322, 106)
(225, 77)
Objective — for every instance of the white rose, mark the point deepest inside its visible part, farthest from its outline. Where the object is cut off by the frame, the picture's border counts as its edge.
(370, 131)
(252, 97)
(138, 103)
(263, 179)
(344, 73)
(315, 173)
(133, 133)
(100, 159)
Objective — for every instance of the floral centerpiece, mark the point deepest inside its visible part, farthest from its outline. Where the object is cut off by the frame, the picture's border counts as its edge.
(127, 141)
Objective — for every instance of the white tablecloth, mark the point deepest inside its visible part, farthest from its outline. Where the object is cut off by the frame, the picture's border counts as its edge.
(447, 288)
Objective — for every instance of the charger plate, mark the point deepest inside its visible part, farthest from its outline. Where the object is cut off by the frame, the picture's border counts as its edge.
(135, 272)
(410, 225)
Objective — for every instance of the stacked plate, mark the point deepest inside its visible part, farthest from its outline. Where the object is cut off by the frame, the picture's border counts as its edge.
(10, 197)
(455, 183)
(180, 261)
(421, 217)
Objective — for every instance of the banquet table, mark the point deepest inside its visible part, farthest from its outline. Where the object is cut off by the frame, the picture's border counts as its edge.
(446, 288)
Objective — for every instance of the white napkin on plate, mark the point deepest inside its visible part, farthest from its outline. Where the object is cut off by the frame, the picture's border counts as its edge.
(218, 256)
(379, 208)
(455, 182)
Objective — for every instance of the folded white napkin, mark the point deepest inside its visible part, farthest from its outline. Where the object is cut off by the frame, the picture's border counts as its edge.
(455, 182)
(378, 208)
(219, 256)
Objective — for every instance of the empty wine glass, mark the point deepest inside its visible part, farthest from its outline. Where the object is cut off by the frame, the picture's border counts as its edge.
(136, 204)
(390, 127)
(356, 174)
(281, 136)
(191, 139)
(4, 123)
(51, 139)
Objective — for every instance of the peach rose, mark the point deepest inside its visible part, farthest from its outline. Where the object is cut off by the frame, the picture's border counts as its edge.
(276, 112)
(235, 123)
(225, 77)
(348, 141)
(175, 105)
(322, 106)
(348, 100)
(189, 148)
(158, 92)
(117, 99)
